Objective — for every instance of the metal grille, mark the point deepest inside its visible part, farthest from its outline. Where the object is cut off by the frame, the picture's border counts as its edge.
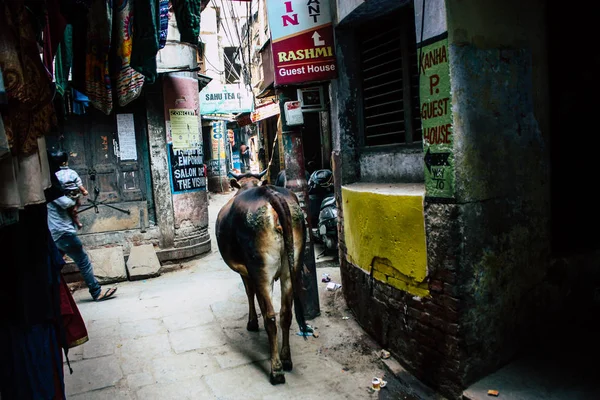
(389, 81)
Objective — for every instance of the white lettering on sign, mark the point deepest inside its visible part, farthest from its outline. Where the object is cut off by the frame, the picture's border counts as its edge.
(310, 69)
(317, 39)
(301, 40)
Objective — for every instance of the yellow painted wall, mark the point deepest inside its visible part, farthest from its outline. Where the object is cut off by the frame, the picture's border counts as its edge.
(385, 235)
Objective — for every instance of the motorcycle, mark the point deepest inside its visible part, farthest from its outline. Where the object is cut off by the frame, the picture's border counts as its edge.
(322, 208)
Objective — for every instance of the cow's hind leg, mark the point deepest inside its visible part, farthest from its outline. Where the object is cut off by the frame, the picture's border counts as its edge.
(252, 325)
(287, 297)
(266, 306)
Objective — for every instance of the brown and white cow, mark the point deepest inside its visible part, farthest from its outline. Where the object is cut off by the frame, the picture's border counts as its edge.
(261, 236)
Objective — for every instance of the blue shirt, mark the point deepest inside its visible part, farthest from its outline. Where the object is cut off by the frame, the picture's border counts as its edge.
(59, 220)
(68, 178)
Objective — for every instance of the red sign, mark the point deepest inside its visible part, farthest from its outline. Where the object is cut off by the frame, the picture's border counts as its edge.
(301, 41)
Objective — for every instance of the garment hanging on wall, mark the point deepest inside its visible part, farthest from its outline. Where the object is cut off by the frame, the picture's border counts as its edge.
(150, 35)
(27, 84)
(187, 14)
(128, 82)
(98, 85)
(163, 6)
(23, 178)
(53, 32)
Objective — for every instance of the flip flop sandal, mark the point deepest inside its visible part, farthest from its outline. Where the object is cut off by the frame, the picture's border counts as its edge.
(107, 294)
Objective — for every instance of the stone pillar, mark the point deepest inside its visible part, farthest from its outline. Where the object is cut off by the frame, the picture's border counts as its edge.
(185, 152)
(159, 165)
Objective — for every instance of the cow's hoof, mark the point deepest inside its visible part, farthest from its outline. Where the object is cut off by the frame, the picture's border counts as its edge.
(277, 378)
(288, 365)
(252, 326)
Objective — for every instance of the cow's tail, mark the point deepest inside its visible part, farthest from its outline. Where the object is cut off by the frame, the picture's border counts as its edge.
(282, 208)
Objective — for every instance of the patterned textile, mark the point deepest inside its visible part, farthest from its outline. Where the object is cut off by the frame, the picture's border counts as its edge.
(98, 86)
(128, 81)
(187, 14)
(164, 22)
(30, 112)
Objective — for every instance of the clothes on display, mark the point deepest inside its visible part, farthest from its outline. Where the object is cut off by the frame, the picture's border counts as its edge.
(129, 82)
(27, 84)
(93, 55)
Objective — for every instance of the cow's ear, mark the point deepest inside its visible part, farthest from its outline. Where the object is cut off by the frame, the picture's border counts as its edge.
(264, 183)
(234, 183)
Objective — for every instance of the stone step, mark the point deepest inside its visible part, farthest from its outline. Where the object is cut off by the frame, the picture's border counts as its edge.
(143, 262)
(109, 264)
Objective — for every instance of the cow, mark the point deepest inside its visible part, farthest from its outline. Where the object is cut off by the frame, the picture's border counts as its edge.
(261, 235)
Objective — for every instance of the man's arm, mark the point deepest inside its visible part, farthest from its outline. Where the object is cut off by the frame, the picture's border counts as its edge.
(64, 202)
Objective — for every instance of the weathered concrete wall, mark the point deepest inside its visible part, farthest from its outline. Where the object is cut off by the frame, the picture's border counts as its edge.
(397, 164)
(500, 109)
(487, 237)
(345, 7)
(384, 233)
(409, 304)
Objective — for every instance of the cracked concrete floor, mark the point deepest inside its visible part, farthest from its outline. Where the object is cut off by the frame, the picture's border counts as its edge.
(182, 336)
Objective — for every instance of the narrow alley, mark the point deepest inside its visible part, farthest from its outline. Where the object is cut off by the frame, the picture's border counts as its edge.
(183, 336)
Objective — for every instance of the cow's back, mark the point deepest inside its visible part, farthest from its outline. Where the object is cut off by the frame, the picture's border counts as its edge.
(249, 229)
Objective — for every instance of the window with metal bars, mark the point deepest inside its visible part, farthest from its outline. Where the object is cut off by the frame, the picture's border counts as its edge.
(390, 80)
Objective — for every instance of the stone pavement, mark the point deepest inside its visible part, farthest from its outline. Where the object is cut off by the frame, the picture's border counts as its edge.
(182, 336)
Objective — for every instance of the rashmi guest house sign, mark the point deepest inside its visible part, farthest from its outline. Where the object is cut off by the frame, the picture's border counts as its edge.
(302, 41)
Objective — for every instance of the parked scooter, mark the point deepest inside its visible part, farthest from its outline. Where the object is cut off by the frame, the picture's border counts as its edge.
(322, 208)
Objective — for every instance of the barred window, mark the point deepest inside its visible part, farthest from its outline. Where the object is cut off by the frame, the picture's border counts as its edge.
(390, 80)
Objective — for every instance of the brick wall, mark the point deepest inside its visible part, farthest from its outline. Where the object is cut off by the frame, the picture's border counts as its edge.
(422, 333)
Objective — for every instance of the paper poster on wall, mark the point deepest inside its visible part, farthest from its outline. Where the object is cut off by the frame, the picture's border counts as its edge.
(436, 119)
(126, 133)
(187, 170)
(184, 129)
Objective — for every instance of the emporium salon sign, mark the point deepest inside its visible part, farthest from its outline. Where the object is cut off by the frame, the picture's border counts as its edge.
(302, 41)
(225, 99)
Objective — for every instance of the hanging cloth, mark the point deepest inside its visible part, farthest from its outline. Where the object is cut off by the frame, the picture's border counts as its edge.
(187, 14)
(128, 81)
(53, 33)
(163, 6)
(23, 179)
(63, 61)
(98, 85)
(30, 112)
(146, 37)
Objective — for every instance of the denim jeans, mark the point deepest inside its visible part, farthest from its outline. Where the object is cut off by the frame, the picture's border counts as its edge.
(70, 244)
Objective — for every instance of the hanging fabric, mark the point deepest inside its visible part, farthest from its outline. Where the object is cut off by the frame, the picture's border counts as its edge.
(128, 81)
(98, 86)
(63, 61)
(30, 112)
(146, 37)
(23, 178)
(187, 14)
(164, 23)
(53, 32)
(80, 102)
